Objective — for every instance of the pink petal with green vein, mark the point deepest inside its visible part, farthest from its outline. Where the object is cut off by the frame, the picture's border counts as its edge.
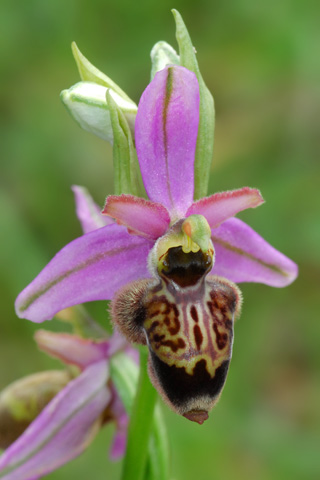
(62, 430)
(87, 211)
(219, 207)
(166, 134)
(140, 216)
(243, 256)
(92, 267)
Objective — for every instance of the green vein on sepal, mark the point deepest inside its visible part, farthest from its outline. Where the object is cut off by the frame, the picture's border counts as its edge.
(89, 261)
(240, 251)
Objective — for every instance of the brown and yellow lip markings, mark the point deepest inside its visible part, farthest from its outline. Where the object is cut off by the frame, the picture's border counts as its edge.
(188, 329)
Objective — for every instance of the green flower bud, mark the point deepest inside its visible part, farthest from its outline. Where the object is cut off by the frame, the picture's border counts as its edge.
(86, 102)
(22, 401)
(90, 73)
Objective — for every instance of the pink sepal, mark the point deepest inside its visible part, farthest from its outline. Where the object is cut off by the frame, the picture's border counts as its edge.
(75, 350)
(142, 217)
(219, 207)
(87, 210)
(242, 255)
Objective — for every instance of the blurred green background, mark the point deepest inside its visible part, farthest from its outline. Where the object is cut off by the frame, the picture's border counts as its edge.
(261, 61)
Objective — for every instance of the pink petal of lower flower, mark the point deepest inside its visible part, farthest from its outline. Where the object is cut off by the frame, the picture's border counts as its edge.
(119, 444)
(62, 430)
(92, 267)
(242, 255)
(118, 342)
(219, 207)
(72, 349)
(145, 218)
(166, 132)
(119, 441)
(87, 211)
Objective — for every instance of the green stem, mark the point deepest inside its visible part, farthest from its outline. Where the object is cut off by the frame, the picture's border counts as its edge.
(140, 426)
(158, 449)
(124, 373)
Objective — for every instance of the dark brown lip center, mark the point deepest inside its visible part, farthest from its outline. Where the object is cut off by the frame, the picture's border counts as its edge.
(185, 269)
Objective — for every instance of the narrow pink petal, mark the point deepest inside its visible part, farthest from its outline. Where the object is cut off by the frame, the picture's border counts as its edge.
(219, 207)
(243, 256)
(87, 211)
(166, 132)
(140, 216)
(92, 267)
(72, 349)
(119, 441)
(119, 342)
(62, 430)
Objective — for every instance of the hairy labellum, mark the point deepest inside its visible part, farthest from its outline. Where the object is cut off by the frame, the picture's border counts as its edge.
(186, 319)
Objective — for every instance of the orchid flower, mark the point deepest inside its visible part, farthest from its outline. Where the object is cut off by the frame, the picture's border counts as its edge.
(70, 421)
(204, 233)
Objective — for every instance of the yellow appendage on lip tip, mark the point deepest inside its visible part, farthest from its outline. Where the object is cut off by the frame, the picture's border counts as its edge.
(188, 245)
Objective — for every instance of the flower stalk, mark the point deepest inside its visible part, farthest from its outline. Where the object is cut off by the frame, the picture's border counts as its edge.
(124, 374)
(140, 425)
